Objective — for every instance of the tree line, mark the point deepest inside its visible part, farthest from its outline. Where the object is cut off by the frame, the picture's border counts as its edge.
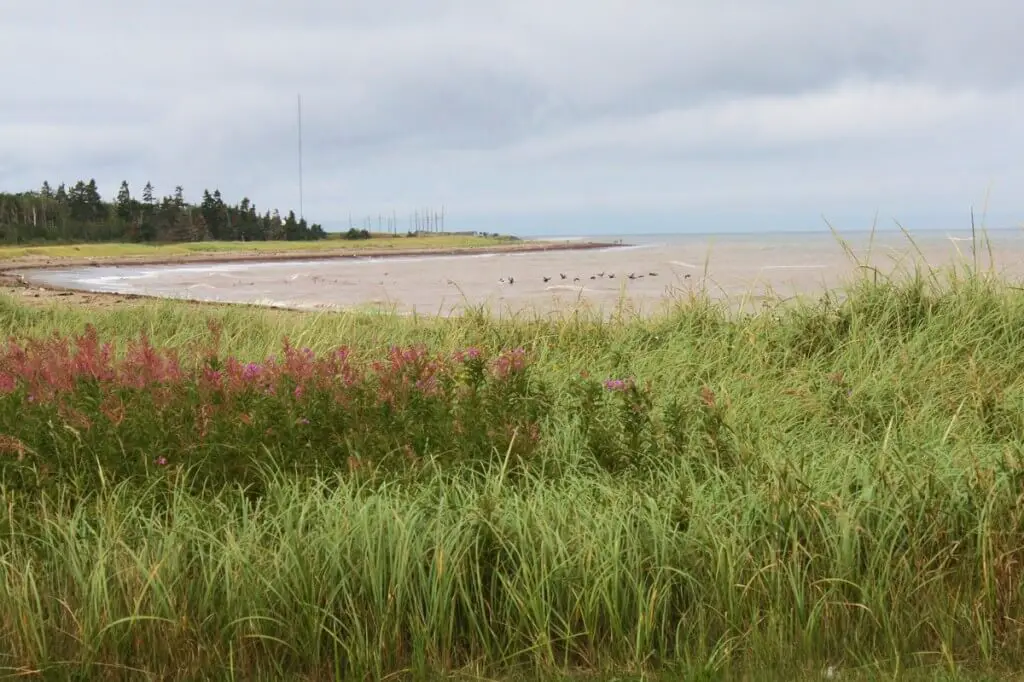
(79, 214)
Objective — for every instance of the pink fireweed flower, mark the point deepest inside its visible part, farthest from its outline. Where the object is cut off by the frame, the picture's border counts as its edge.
(243, 377)
(252, 371)
(299, 364)
(212, 377)
(411, 358)
(510, 362)
(144, 365)
(335, 369)
(160, 461)
(10, 445)
(91, 359)
(471, 353)
(428, 385)
(618, 384)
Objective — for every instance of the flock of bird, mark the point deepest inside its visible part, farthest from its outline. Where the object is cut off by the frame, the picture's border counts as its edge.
(610, 275)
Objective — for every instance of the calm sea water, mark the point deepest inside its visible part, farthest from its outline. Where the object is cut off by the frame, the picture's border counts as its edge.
(1003, 236)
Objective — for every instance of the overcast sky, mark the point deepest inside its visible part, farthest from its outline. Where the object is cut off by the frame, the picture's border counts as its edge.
(565, 116)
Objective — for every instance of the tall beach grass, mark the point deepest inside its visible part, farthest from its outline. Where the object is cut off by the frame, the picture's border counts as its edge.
(826, 488)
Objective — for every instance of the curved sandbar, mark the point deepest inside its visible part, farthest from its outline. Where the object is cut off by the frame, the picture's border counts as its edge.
(37, 262)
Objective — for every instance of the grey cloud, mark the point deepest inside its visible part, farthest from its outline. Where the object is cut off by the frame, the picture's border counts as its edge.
(455, 99)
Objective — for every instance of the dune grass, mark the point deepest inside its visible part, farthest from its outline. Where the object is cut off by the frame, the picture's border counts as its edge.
(826, 490)
(124, 250)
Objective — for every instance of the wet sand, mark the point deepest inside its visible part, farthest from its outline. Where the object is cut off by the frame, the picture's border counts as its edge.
(744, 270)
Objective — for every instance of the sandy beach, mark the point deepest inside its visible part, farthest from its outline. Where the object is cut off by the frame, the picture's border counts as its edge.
(742, 269)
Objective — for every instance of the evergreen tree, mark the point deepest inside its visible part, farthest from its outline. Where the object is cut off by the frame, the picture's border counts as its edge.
(124, 202)
(291, 226)
(78, 202)
(80, 214)
(208, 211)
(200, 230)
(133, 231)
(92, 193)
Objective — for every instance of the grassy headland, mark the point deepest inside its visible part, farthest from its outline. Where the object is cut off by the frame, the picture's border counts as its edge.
(120, 250)
(698, 495)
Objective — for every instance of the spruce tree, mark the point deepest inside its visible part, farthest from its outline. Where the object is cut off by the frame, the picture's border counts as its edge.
(124, 203)
(78, 202)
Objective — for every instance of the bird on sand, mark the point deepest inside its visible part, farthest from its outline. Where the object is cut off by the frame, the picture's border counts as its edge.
(547, 279)
(562, 275)
(653, 274)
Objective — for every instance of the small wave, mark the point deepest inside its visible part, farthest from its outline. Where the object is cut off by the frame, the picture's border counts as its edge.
(632, 247)
(417, 259)
(220, 268)
(103, 279)
(684, 264)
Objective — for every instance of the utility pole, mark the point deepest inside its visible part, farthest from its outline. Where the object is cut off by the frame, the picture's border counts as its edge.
(301, 213)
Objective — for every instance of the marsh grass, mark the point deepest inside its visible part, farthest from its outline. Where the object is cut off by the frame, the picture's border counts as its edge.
(827, 485)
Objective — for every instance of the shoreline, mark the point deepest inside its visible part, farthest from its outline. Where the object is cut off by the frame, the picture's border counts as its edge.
(215, 257)
(14, 284)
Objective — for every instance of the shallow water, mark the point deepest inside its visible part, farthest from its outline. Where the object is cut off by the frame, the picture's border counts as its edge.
(738, 267)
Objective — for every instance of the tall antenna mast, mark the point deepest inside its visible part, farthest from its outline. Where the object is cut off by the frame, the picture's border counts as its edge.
(301, 213)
